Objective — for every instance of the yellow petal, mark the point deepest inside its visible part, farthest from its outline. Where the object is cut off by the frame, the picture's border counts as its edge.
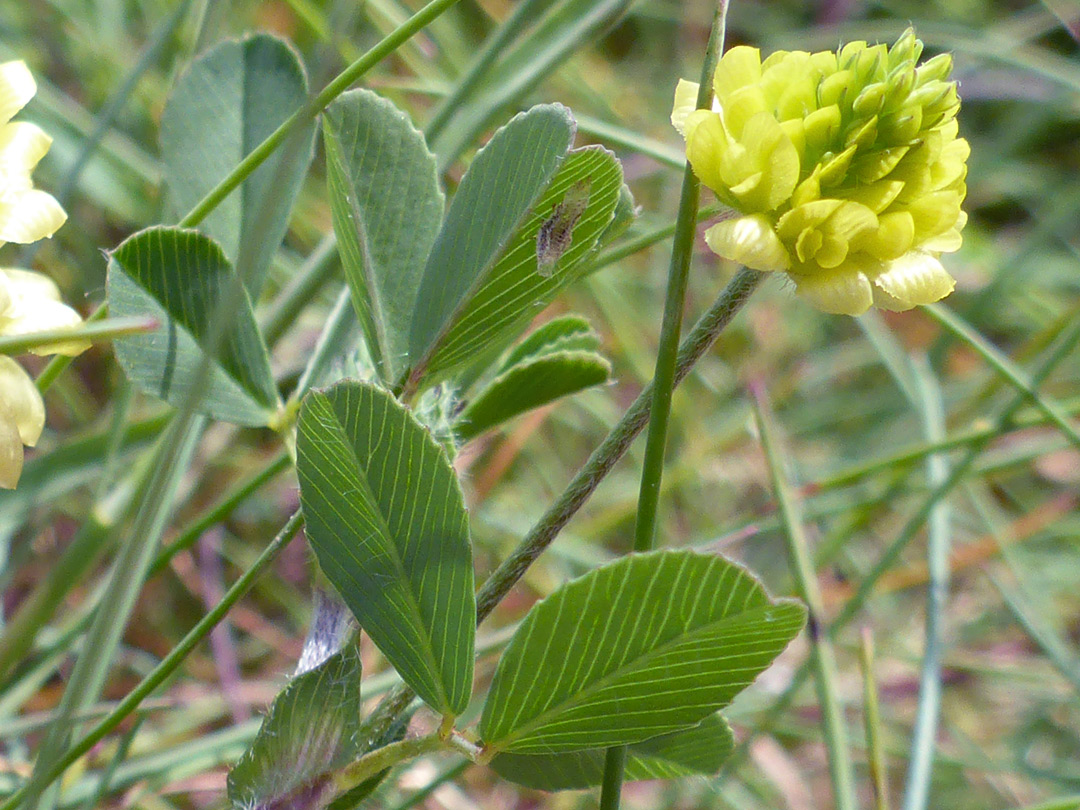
(738, 107)
(822, 127)
(5, 295)
(22, 145)
(948, 242)
(26, 285)
(20, 402)
(28, 216)
(11, 454)
(795, 129)
(750, 241)
(935, 213)
(776, 157)
(738, 67)
(892, 238)
(934, 69)
(844, 291)
(685, 103)
(951, 165)
(832, 252)
(16, 89)
(915, 278)
(46, 316)
(835, 168)
(861, 133)
(36, 307)
(850, 220)
(875, 166)
(808, 244)
(706, 147)
(808, 190)
(834, 87)
(806, 216)
(876, 197)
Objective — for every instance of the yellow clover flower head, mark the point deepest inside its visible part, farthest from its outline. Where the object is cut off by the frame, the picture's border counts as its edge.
(26, 213)
(845, 167)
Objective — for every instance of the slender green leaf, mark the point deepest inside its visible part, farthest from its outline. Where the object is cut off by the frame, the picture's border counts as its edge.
(387, 208)
(386, 518)
(494, 198)
(535, 381)
(312, 728)
(227, 102)
(698, 750)
(565, 333)
(178, 277)
(644, 646)
(513, 288)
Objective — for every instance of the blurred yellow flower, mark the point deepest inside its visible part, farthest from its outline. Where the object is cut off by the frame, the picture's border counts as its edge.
(26, 214)
(846, 168)
(29, 302)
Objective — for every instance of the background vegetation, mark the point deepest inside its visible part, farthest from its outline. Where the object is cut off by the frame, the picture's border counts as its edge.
(854, 402)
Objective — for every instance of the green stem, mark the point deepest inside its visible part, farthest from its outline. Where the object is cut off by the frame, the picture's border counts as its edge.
(355, 773)
(614, 770)
(55, 367)
(169, 664)
(222, 509)
(95, 331)
(612, 448)
(674, 304)
(822, 658)
(1005, 418)
(927, 716)
(126, 578)
(875, 754)
(652, 470)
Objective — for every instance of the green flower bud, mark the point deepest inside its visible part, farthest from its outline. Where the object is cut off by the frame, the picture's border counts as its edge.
(846, 167)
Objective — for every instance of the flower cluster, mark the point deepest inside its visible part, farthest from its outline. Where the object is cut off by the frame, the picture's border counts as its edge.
(845, 167)
(29, 302)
